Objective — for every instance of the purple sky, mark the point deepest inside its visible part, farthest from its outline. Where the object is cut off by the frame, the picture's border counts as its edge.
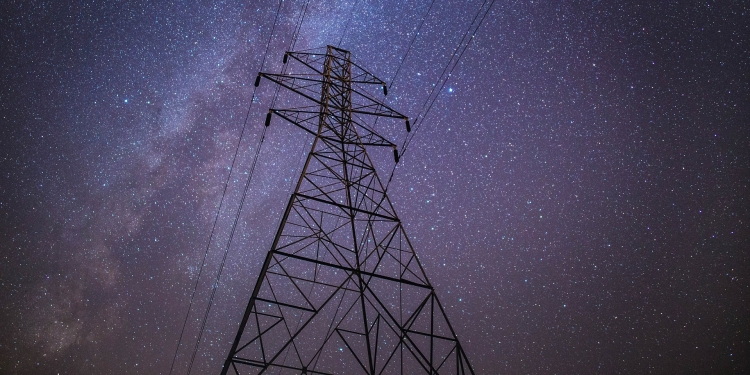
(578, 194)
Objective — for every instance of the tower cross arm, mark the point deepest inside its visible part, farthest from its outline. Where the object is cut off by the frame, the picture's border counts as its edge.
(309, 87)
(308, 121)
(358, 74)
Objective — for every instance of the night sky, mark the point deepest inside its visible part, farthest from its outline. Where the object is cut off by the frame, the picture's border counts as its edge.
(578, 194)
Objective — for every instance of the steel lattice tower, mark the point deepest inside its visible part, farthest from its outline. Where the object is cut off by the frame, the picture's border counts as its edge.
(341, 291)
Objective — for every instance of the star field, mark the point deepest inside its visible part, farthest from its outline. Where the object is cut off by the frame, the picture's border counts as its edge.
(578, 193)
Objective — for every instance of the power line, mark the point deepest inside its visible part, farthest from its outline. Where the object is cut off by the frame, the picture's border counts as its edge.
(351, 12)
(420, 118)
(244, 193)
(292, 43)
(299, 26)
(223, 196)
(226, 251)
(418, 122)
(411, 43)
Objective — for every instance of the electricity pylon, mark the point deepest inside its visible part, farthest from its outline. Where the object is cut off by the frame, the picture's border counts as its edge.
(341, 291)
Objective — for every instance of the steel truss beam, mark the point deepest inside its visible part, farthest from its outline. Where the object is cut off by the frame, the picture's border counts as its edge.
(341, 291)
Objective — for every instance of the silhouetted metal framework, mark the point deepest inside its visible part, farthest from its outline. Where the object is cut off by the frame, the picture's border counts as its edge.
(341, 290)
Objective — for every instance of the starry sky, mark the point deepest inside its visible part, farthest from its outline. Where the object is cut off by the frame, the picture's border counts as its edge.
(578, 194)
